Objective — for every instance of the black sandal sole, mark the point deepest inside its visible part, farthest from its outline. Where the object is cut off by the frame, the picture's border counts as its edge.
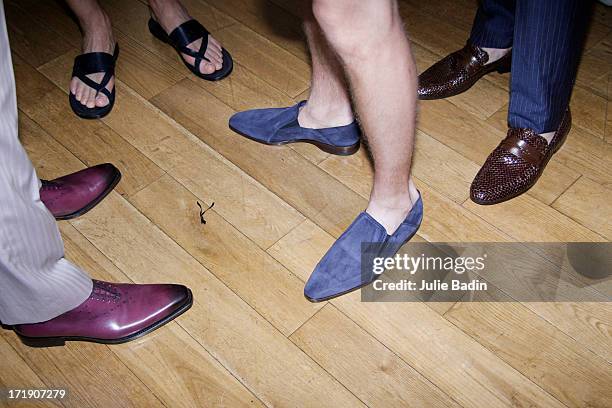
(95, 202)
(84, 112)
(327, 148)
(228, 63)
(61, 340)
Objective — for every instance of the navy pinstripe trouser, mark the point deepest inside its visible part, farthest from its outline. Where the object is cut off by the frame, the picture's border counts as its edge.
(546, 38)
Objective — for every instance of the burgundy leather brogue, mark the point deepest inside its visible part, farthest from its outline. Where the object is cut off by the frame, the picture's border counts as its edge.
(113, 314)
(458, 71)
(73, 195)
(516, 164)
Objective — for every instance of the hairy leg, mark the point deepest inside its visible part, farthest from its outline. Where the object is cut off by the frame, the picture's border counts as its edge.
(329, 101)
(369, 38)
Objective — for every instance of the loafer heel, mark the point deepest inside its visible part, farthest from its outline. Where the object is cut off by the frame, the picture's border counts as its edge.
(41, 341)
(503, 69)
(280, 126)
(338, 150)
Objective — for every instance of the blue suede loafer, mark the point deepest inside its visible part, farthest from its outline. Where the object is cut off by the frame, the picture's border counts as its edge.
(279, 126)
(340, 271)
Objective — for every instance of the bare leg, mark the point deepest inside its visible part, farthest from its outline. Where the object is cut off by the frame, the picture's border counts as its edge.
(369, 38)
(329, 103)
(170, 14)
(97, 37)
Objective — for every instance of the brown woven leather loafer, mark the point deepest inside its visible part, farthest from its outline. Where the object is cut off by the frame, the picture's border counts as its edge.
(457, 72)
(516, 164)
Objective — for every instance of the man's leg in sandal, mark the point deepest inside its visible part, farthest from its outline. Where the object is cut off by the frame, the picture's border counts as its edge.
(369, 38)
(97, 37)
(170, 14)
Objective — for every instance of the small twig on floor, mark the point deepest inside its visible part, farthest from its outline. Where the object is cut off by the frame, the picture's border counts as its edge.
(202, 211)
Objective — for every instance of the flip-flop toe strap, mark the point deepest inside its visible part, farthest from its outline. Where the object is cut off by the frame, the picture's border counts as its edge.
(187, 33)
(92, 63)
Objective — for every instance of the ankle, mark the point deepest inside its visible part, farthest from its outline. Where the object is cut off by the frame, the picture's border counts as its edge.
(400, 196)
(168, 13)
(98, 34)
(495, 54)
(319, 116)
(96, 21)
(390, 212)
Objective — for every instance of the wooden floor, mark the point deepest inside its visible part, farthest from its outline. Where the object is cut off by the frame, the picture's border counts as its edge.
(251, 339)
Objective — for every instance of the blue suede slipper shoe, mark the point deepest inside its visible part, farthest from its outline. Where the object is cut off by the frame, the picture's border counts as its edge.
(279, 126)
(339, 272)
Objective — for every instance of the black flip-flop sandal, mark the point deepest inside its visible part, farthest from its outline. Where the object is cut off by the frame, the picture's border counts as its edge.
(184, 35)
(93, 63)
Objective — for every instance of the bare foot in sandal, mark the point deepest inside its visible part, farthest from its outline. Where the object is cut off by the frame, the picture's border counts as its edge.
(170, 14)
(97, 37)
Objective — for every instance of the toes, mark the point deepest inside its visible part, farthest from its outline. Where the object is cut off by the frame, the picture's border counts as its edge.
(216, 62)
(80, 90)
(207, 68)
(101, 100)
(213, 41)
(213, 53)
(216, 51)
(215, 58)
(74, 82)
(91, 98)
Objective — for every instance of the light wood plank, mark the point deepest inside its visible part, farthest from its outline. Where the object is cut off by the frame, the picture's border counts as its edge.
(274, 369)
(590, 204)
(268, 20)
(294, 179)
(244, 90)
(608, 130)
(256, 277)
(588, 111)
(596, 58)
(432, 162)
(556, 362)
(526, 219)
(21, 376)
(50, 159)
(144, 71)
(459, 13)
(36, 43)
(587, 322)
(271, 63)
(381, 379)
(88, 371)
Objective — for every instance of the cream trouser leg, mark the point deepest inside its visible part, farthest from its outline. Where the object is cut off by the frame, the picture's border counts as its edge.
(36, 282)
